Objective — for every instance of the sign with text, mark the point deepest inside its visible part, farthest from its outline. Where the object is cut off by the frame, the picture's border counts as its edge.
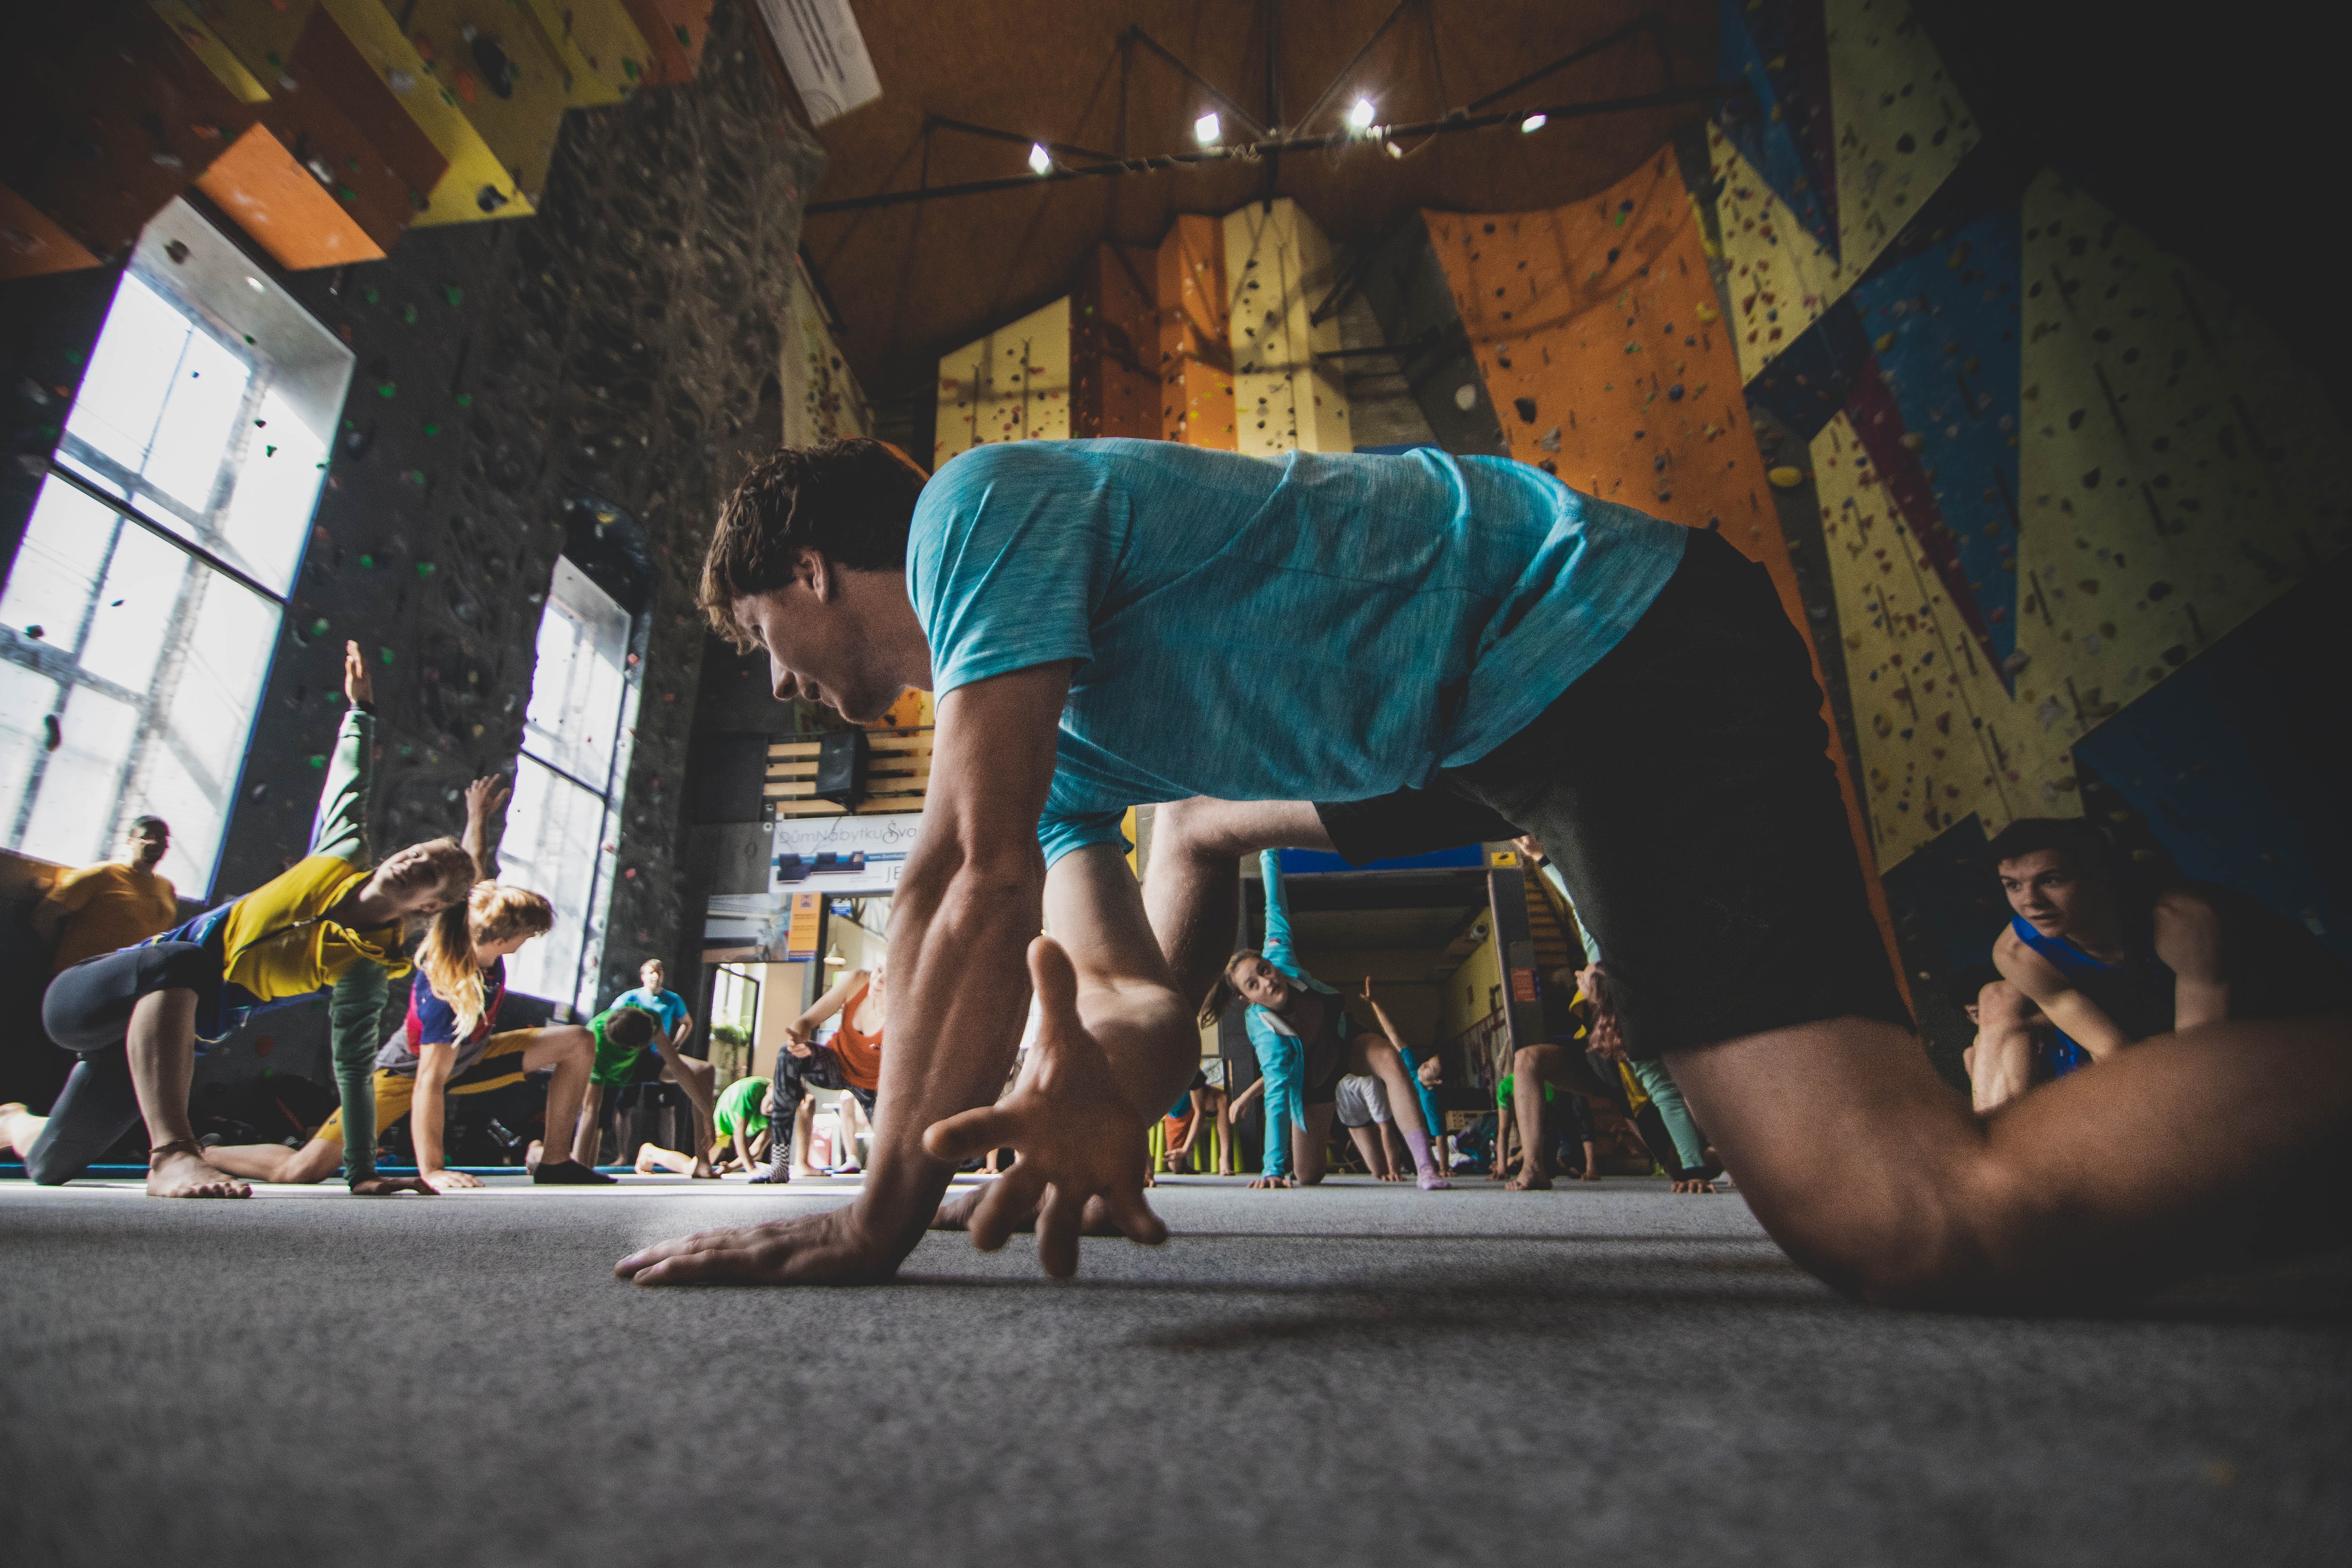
(841, 855)
(808, 910)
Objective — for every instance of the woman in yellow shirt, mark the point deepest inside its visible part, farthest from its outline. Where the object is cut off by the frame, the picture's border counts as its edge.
(330, 926)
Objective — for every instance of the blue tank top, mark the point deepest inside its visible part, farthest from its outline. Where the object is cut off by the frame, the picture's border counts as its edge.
(2137, 994)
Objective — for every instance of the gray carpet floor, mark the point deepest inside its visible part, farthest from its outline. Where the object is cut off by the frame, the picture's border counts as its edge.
(1356, 1374)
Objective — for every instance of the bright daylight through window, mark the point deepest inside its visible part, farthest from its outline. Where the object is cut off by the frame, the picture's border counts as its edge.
(565, 816)
(137, 621)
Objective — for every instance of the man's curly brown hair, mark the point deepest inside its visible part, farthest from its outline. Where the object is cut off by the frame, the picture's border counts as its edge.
(851, 501)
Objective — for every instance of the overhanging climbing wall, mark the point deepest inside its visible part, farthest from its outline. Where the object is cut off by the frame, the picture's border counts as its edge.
(1600, 336)
(1277, 271)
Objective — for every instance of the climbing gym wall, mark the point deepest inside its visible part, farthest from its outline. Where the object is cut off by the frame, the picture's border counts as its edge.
(1196, 358)
(821, 398)
(1278, 272)
(1600, 336)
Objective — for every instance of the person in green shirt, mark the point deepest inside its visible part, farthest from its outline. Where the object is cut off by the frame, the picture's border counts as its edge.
(739, 1115)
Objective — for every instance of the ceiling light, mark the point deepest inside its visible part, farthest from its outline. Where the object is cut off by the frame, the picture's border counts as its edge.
(1205, 130)
(1532, 122)
(1394, 150)
(1359, 117)
(1039, 159)
(256, 283)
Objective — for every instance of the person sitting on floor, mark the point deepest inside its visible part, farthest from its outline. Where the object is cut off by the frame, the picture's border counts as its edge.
(113, 904)
(675, 1027)
(1180, 1130)
(2109, 962)
(330, 928)
(446, 1044)
(851, 1061)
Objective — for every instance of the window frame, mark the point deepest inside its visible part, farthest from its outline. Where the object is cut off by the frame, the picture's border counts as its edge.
(71, 462)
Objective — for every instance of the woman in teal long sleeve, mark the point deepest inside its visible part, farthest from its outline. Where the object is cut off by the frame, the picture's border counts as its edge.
(1306, 1042)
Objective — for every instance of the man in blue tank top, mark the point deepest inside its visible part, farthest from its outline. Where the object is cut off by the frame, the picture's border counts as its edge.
(1107, 624)
(2109, 963)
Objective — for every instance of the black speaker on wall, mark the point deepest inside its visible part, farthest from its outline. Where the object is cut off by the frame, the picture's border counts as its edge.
(841, 768)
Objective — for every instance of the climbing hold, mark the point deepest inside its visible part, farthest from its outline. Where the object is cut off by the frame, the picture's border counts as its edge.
(465, 400)
(1886, 341)
(1786, 478)
(269, 451)
(408, 315)
(319, 628)
(416, 477)
(453, 294)
(387, 655)
(424, 569)
(1707, 313)
(1527, 408)
(1550, 442)
(385, 389)
(1674, 393)
(317, 761)
(431, 428)
(1913, 441)
(1465, 398)
(368, 562)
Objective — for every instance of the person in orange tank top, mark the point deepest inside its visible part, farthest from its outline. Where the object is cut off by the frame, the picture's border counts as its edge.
(851, 1061)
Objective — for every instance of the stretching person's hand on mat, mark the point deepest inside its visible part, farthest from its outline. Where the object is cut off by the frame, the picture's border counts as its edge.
(1083, 1152)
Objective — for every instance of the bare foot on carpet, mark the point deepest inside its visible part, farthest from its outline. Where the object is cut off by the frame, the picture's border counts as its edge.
(179, 1172)
(1529, 1181)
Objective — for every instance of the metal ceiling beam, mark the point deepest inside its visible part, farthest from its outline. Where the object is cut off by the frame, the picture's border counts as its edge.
(1458, 122)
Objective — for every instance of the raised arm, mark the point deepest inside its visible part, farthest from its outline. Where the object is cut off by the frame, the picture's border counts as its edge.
(2189, 939)
(1278, 949)
(340, 828)
(803, 1027)
(483, 796)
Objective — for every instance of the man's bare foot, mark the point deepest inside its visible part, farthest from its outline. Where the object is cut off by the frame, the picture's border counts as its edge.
(1273, 1182)
(805, 1172)
(532, 1155)
(391, 1187)
(702, 1171)
(815, 1249)
(1695, 1185)
(1393, 1175)
(1529, 1180)
(644, 1167)
(1587, 1175)
(176, 1171)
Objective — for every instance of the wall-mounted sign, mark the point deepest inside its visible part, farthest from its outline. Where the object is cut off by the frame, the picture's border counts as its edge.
(841, 855)
(800, 945)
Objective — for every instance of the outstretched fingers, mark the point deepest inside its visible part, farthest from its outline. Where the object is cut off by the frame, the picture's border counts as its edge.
(1006, 1206)
(1133, 1213)
(1055, 982)
(969, 1132)
(1057, 1231)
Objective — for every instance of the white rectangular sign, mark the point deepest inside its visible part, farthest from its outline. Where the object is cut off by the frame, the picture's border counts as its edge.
(848, 855)
(825, 54)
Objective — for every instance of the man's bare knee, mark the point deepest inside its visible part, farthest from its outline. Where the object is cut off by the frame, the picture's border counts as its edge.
(1918, 1244)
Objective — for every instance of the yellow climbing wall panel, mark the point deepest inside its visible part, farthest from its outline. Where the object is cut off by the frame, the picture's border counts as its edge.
(2178, 470)
(1900, 126)
(822, 401)
(465, 42)
(474, 167)
(1779, 279)
(604, 56)
(1010, 386)
(1940, 737)
(1278, 269)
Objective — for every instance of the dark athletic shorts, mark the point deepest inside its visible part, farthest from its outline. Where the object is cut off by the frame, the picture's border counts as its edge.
(1684, 790)
(88, 1007)
(1409, 821)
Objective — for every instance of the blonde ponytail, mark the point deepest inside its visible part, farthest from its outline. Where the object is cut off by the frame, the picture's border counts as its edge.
(492, 912)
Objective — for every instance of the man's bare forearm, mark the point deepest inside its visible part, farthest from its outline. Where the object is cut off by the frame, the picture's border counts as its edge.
(959, 994)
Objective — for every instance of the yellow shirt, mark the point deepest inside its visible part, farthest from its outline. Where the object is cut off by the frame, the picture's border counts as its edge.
(277, 946)
(108, 906)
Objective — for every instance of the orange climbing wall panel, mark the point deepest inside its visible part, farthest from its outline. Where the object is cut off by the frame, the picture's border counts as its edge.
(1196, 360)
(1598, 331)
(283, 207)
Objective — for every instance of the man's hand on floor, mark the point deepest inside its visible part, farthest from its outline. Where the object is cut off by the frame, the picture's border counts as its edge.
(1076, 1136)
(816, 1250)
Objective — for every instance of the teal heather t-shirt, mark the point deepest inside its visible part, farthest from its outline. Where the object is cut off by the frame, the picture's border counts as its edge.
(1325, 627)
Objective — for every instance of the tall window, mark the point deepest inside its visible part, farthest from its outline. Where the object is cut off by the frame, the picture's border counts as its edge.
(139, 615)
(566, 816)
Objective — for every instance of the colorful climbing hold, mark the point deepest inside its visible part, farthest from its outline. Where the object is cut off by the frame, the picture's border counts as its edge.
(424, 569)
(318, 760)
(386, 388)
(1786, 478)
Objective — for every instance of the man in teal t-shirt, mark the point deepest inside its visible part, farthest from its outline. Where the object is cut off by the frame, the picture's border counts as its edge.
(1112, 623)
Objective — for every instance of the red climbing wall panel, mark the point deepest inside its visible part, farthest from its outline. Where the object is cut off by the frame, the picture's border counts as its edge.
(1597, 330)
(1114, 385)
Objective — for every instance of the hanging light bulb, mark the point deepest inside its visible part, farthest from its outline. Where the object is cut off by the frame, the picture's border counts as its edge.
(1533, 122)
(1206, 129)
(1360, 115)
(1040, 161)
